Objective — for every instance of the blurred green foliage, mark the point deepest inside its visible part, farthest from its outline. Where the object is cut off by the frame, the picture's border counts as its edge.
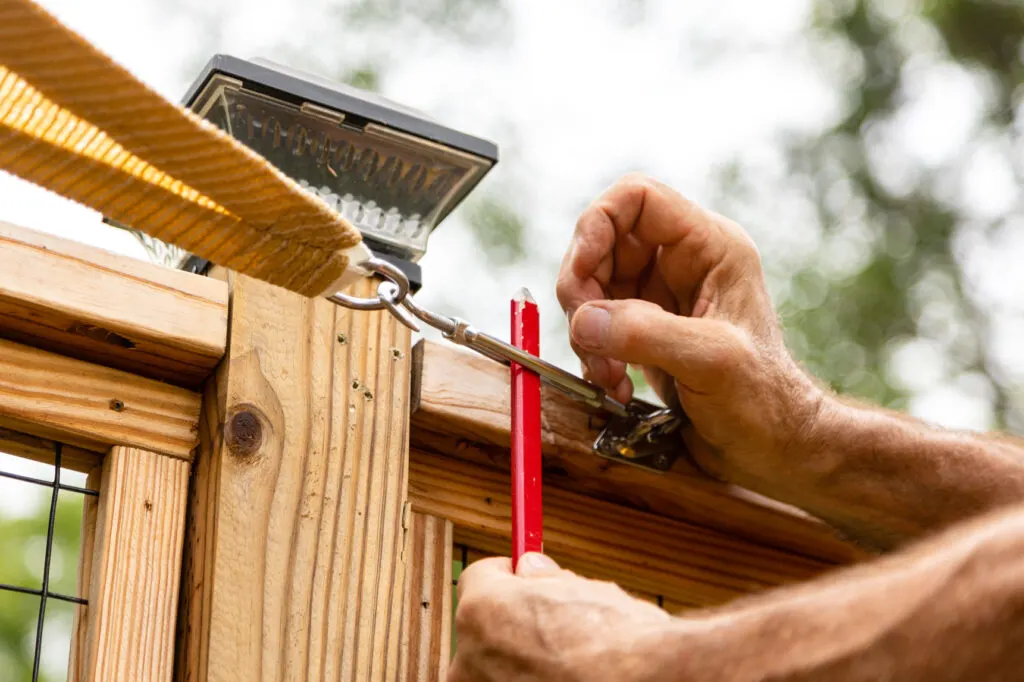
(22, 551)
(896, 217)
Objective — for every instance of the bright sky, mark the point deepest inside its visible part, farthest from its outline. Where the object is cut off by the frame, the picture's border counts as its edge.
(589, 98)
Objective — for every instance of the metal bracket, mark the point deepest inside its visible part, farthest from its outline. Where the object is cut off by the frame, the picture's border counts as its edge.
(643, 438)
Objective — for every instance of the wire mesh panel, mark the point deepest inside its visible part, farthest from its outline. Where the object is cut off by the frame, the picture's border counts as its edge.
(41, 510)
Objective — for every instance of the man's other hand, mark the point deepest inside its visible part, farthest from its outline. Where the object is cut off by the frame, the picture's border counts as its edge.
(547, 623)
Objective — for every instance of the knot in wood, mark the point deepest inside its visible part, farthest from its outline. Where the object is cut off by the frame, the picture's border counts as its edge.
(244, 433)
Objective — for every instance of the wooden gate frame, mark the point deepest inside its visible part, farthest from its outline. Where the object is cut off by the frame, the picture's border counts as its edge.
(302, 471)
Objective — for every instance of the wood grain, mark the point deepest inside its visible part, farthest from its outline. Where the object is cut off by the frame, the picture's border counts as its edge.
(135, 566)
(93, 407)
(428, 603)
(462, 409)
(42, 449)
(111, 310)
(642, 552)
(192, 642)
(298, 542)
(77, 656)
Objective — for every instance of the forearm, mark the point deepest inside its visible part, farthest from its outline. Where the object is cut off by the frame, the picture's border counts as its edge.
(883, 478)
(950, 609)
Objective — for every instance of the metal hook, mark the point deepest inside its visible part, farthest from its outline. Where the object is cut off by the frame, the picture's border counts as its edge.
(389, 272)
(388, 293)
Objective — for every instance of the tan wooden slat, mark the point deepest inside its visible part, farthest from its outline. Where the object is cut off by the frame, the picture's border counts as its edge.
(428, 604)
(461, 405)
(598, 539)
(77, 656)
(93, 407)
(136, 567)
(298, 545)
(86, 303)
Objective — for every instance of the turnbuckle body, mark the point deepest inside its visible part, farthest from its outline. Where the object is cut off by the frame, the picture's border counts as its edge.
(637, 433)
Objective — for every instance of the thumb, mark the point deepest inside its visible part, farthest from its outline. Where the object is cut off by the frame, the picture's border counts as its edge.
(695, 351)
(536, 565)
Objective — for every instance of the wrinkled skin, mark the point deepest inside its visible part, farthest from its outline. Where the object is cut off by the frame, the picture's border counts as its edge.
(553, 625)
(682, 293)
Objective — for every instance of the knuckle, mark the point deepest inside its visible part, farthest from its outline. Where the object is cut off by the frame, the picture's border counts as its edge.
(564, 289)
(474, 611)
(743, 245)
(630, 189)
(735, 348)
(637, 180)
(591, 216)
(630, 329)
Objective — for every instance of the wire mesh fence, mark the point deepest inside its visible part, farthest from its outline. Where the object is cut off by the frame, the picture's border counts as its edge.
(42, 504)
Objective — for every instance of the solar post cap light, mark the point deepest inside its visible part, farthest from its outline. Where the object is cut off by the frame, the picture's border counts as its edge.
(391, 171)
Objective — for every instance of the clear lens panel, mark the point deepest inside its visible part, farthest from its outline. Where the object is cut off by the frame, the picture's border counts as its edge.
(389, 186)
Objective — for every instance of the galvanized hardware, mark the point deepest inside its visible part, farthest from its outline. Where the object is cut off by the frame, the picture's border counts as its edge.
(392, 275)
(644, 438)
(639, 433)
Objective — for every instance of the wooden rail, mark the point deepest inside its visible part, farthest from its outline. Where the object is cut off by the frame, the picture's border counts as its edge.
(86, 303)
(640, 551)
(461, 410)
(93, 407)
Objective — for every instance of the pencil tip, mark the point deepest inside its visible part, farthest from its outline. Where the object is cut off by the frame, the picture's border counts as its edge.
(523, 296)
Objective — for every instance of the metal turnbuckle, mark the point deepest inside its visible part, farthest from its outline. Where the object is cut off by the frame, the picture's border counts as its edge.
(637, 433)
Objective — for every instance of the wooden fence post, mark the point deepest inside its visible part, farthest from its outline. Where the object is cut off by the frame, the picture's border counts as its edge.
(135, 566)
(296, 548)
(428, 603)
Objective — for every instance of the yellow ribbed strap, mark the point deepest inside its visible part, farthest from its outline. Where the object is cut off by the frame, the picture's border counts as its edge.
(74, 122)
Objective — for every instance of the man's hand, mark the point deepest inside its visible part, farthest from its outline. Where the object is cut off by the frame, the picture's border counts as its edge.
(653, 279)
(546, 623)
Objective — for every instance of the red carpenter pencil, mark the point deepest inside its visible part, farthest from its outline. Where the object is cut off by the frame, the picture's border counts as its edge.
(527, 529)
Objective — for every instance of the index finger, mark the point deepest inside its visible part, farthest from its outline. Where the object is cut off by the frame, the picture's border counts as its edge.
(618, 235)
(482, 573)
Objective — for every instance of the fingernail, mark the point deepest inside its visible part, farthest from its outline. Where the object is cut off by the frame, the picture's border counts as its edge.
(590, 326)
(534, 563)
